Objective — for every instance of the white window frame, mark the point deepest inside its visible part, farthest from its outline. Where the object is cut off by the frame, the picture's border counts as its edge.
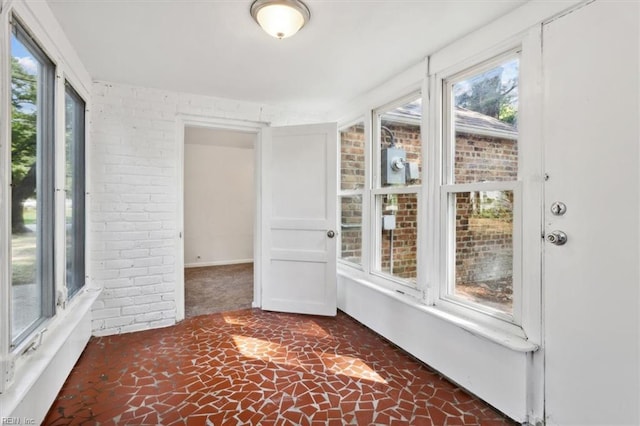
(375, 222)
(449, 187)
(363, 265)
(45, 354)
(448, 247)
(15, 350)
(525, 324)
(525, 321)
(46, 150)
(78, 164)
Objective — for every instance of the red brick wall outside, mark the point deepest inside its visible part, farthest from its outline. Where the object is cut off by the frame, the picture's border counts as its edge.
(351, 208)
(484, 228)
(483, 233)
(352, 168)
(407, 137)
(405, 236)
(405, 239)
(485, 158)
(352, 157)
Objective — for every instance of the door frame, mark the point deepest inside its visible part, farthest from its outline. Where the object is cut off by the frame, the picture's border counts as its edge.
(254, 127)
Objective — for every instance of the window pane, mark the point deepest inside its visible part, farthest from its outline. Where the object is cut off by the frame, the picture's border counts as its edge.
(351, 226)
(484, 248)
(352, 157)
(74, 191)
(400, 145)
(398, 238)
(486, 125)
(31, 187)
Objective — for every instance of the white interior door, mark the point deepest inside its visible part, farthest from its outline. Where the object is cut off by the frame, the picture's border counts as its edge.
(591, 283)
(299, 219)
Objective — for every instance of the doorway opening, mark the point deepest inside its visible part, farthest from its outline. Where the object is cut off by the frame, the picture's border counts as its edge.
(219, 215)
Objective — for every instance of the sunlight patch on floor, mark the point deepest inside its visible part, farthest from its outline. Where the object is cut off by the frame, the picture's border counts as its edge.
(337, 364)
(352, 367)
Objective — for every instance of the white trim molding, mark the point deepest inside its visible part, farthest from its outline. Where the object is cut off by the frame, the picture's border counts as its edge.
(182, 121)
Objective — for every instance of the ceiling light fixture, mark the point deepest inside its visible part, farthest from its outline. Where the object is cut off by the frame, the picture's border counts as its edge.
(280, 18)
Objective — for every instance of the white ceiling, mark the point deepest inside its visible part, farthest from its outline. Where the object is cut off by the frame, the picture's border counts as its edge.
(213, 47)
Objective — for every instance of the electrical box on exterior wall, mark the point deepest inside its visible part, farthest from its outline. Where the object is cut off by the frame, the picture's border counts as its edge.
(412, 172)
(392, 162)
(388, 222)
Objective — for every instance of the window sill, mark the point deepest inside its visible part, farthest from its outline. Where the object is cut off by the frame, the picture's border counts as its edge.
(508, 340)
(32, 364)
(500, 337)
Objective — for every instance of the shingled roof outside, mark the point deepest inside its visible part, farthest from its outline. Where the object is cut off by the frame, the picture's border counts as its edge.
(467, 121)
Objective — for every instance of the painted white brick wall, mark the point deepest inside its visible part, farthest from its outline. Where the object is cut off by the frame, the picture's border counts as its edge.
(133, 168)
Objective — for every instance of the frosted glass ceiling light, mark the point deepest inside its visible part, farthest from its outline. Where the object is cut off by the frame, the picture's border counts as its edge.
(280, 18)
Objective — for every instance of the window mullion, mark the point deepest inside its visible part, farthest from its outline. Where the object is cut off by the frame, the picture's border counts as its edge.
(396, 190)
(481, 186)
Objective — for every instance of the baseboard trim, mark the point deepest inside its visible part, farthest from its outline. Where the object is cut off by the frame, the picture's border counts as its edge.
(217, 263)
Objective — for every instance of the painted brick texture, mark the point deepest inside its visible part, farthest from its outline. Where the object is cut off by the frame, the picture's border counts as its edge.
(133, 182)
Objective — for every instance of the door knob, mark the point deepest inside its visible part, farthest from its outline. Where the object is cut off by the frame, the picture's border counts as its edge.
(331, 234)
(558, 238)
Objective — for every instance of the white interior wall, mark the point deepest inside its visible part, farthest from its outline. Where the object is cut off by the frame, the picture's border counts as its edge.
(219, 197)
(137, 136)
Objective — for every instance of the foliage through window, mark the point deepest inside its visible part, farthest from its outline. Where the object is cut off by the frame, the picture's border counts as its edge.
(32, 185)
(473, 209)
(481, 188)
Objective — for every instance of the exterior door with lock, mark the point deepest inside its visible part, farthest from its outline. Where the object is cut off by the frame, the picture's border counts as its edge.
(592, 232)
(299, 219)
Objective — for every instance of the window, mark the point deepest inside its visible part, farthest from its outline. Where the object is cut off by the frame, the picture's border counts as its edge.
(32, 185)
(380, 192)
(352, 184)
(74, 191)
(443, 223)
(397, 189)
(481, 192)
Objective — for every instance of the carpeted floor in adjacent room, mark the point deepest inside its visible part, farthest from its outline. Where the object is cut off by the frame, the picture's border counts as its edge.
(211, 289)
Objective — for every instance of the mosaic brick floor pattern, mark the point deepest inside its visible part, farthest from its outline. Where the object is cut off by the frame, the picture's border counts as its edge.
(252, 367)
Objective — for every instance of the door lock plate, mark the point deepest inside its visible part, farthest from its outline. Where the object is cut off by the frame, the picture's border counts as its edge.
(558, 208)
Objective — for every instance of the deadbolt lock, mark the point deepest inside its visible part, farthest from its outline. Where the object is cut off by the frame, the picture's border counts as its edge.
(558, 208)
(331, 234)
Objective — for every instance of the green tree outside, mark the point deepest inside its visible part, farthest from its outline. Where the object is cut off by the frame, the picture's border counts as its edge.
(23, 142)
(491, 94)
